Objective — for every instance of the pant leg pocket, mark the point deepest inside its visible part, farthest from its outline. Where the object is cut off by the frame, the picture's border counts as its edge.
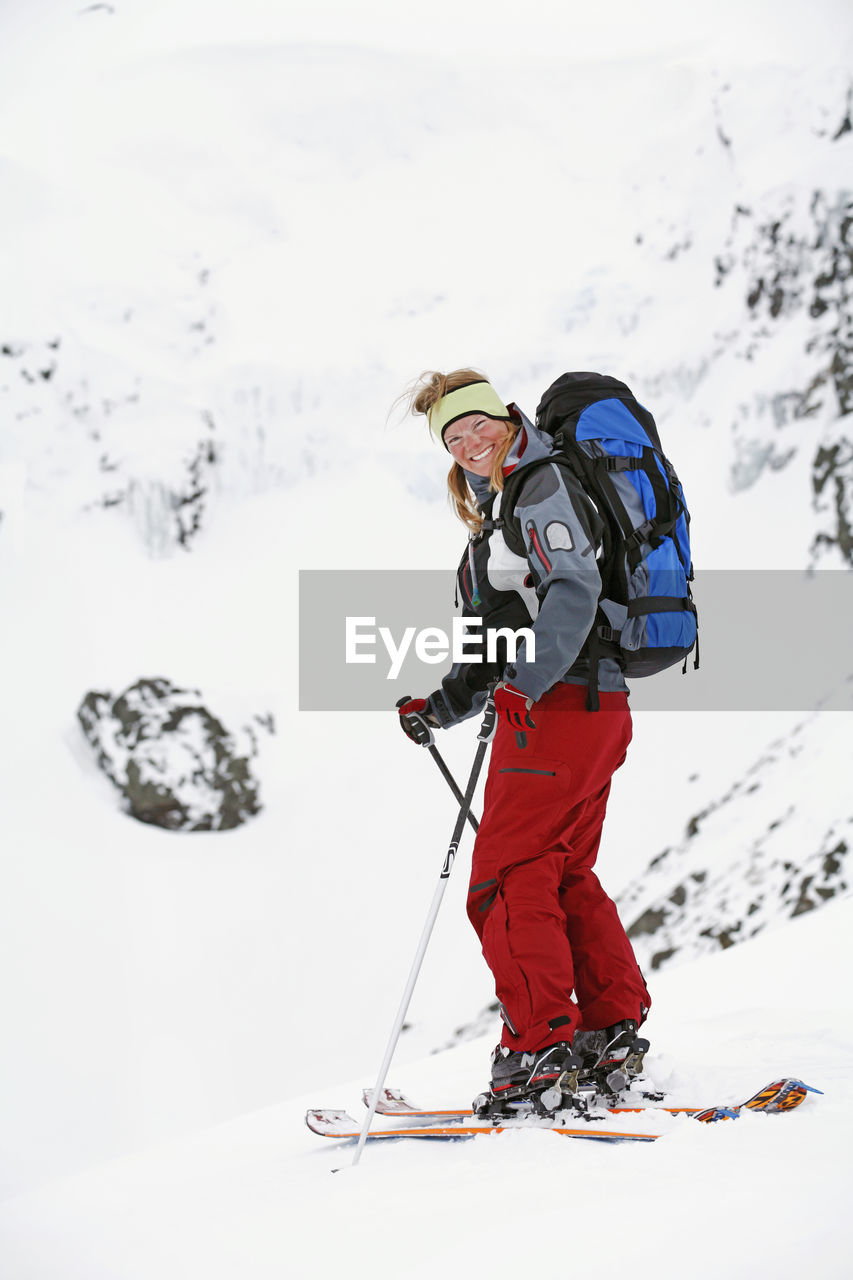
(529, 806)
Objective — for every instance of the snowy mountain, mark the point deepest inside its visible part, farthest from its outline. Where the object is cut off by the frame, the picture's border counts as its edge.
(772, 847)
(236, 233)
(215, 337)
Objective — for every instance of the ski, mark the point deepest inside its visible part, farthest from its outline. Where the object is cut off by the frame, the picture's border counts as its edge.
(779, 1095)
(342, 1127)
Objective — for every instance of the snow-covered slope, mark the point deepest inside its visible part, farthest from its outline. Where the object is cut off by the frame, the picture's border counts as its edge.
(234, 238)
(761, 1196)
(264, 266)
(773, 846)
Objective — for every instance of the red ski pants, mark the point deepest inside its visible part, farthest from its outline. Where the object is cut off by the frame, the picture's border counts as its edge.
(547, 927)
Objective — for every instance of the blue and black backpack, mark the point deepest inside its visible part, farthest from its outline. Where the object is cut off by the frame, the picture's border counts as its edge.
(646, 616)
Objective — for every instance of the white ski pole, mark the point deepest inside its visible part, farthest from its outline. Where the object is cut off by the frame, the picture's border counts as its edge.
(484, 737)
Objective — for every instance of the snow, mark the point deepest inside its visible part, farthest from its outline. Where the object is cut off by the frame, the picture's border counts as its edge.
(756, 856)
(252, 224)
(763, 1195)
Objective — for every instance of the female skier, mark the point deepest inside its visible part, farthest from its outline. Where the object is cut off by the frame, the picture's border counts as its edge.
(571, 994)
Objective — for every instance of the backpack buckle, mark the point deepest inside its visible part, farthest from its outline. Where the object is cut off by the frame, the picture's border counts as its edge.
(619, 463)
(609, 635)
(640, 535)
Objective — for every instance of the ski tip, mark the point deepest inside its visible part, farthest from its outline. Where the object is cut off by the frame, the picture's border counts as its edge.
(325, 1121)
(793, 1084)
(390, 1102)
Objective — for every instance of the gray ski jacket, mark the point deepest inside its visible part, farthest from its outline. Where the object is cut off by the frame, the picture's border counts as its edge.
(553, 589)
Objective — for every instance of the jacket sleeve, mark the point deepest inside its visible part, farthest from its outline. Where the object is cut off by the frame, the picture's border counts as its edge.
(562, 532)
(463, 689)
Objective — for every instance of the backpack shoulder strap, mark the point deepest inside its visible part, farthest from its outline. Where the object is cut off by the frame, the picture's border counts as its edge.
(513, 484)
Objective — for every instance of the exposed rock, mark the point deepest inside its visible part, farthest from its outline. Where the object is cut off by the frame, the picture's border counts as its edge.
(750, 863)
(170, 513)
(649, 922)
(174, 763)
(793, 258)
(832, 480)
(483, 1023)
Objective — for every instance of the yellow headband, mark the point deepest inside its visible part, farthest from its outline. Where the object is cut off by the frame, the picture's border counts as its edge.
(476, 397)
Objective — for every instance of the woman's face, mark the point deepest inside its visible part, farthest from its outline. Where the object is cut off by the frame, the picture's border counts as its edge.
(474, 440)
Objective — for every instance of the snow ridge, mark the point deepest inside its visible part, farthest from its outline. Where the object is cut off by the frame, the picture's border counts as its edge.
(773, 846)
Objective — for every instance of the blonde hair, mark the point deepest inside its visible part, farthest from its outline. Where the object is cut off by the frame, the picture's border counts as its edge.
(420, 397)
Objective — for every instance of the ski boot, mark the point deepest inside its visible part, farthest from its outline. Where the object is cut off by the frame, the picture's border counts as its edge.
(611, 1059)
(538, 1083)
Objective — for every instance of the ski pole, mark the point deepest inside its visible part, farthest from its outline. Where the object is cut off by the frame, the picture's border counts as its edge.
(426, 738)
(484, 737)
(451, 782)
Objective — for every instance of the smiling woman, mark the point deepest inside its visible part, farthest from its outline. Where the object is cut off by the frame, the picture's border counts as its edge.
(474, 440)
(571, 995)
(468, 417)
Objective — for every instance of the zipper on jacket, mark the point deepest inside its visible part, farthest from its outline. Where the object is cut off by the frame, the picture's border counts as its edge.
(536, 548)
(475, 594)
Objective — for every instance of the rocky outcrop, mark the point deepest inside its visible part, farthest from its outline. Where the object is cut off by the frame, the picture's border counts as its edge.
(94, 430)
(174, 763)
(791, 255)
(775, 845)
